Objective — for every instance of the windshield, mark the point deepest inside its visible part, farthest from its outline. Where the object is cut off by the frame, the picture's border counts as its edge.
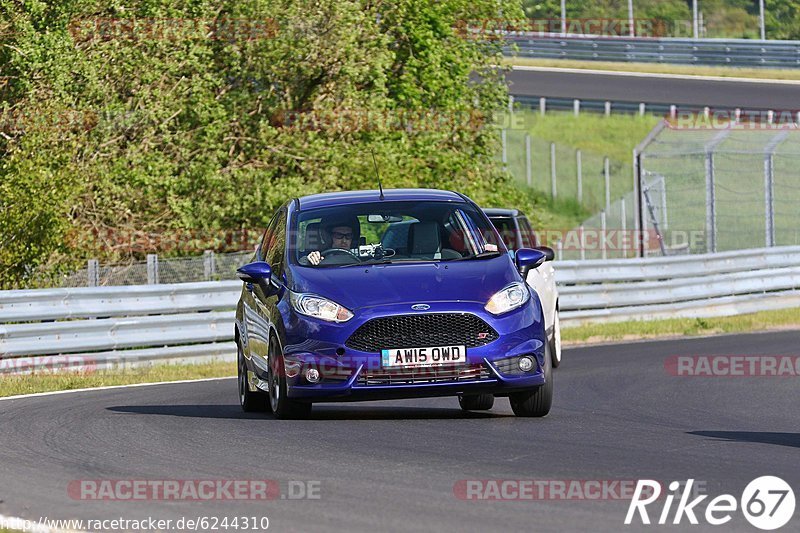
(388, 232)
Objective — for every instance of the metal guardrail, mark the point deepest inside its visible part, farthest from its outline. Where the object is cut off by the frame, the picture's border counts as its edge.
(107, 327)
(720, 284)
(719, 52)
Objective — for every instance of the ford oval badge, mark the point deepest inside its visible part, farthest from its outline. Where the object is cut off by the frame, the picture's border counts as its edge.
(420, 307)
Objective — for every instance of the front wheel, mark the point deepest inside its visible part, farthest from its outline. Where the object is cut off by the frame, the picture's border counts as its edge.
(282, 406)
(536, 402)
(476, 402)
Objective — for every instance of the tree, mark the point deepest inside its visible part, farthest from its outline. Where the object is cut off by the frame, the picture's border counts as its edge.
(196, 115)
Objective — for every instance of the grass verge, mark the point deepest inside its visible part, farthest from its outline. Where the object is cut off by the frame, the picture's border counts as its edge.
(659, 68)
(679, 327)
(13, 385)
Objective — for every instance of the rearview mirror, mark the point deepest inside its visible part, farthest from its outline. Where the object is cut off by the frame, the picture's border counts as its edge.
(381, 219)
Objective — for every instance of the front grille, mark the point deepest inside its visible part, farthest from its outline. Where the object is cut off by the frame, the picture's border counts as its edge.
(415, 331)
(423, 375)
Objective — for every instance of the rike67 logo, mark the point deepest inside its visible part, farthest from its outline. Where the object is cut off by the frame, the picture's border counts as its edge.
(767, 503)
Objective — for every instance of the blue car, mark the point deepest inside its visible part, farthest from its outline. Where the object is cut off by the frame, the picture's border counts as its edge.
(375, 295)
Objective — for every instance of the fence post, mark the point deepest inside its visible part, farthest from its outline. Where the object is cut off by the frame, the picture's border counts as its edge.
(607, 179)
(664, 219)
(608, 108)
(209, 265)
(528, 167)
(623, 218)
(553, 189)
(580, 175)
(641, 109)
(560, 250)
(769, 203)
(542, 105)
(769, 186)
(603, 241)
(504, 141)
(576, 107)
(93, 273)
(637, 204)
(711, 201)
(583, 243)
(711, 216)
(152, 269)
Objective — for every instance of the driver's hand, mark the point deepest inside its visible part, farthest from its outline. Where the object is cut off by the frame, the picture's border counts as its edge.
(315, 257)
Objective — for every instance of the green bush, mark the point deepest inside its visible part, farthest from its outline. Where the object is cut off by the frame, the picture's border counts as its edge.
(196, 115)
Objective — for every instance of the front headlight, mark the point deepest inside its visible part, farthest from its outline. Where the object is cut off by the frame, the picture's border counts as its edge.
(319, 307)
(511, 297)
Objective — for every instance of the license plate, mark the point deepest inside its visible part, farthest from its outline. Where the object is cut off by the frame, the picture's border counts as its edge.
(423, 357)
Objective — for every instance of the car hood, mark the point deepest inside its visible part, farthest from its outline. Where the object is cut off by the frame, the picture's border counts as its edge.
(356, 287)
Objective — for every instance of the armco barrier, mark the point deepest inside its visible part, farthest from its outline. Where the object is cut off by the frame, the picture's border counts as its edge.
(720, 52)
(721, 284)
(102, 327)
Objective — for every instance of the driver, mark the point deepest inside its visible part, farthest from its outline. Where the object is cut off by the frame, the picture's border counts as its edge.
(335, 233)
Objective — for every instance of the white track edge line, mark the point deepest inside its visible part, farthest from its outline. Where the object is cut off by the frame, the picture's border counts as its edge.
(654, 75)
(110, 387)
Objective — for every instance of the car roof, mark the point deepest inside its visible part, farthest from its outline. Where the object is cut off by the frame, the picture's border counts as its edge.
(500, 212)
(330, 199)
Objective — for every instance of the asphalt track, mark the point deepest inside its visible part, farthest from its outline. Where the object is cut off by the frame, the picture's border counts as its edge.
(392, 466)
(656, 90)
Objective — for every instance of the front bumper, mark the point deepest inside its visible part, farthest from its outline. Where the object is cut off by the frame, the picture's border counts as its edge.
(352, 375)
(354, 389)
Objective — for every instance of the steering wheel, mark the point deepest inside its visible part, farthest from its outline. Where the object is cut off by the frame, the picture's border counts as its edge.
(339, 251)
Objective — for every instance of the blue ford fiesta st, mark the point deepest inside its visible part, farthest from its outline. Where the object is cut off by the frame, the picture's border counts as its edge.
(374, 295)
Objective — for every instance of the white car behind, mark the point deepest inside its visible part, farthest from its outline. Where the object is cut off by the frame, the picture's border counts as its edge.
(516, 231)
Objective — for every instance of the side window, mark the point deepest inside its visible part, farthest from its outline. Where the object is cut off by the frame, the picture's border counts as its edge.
(277, 246)
(268, 236)
(529, 239)
(505, 227)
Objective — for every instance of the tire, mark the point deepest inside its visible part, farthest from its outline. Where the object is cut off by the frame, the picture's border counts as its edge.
(282, 407)
(536, 402)
(476, 402)
(250, 401)
(555, 341)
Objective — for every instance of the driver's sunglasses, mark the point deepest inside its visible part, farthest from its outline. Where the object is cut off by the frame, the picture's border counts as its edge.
(340, 236)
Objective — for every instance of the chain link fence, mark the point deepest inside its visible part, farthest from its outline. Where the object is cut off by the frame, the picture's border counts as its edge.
(595, 182)
(727, 188)
(208, 267)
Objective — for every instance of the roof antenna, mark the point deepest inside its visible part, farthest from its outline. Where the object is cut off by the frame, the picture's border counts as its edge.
(378, 174)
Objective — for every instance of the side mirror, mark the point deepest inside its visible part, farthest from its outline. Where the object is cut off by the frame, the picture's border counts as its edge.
(527, 258)
(259, 273)
(547, 251)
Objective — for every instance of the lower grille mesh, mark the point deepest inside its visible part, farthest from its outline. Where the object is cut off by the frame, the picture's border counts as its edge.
(423, 375)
